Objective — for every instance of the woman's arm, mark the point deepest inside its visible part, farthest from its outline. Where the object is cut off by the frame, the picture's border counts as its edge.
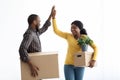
(57, 31)
(94, 56)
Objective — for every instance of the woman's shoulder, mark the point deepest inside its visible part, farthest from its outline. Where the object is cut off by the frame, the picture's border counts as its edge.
(86, 39)
(84, 36)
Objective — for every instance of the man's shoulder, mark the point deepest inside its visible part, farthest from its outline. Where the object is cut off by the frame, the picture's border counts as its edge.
(28, 32)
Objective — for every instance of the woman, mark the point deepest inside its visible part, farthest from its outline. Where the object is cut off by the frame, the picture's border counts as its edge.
(71, 72)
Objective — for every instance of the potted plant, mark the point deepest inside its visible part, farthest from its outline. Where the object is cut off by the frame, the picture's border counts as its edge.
(83, 42)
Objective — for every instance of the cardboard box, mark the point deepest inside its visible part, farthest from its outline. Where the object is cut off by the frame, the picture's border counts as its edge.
(82, 59)
(47, 63)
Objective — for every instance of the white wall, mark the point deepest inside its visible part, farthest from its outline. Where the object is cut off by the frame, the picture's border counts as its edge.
(111, 40)
(99, 19)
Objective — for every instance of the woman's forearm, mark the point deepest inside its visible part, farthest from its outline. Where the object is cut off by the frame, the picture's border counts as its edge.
(94, 57)
(57, 31)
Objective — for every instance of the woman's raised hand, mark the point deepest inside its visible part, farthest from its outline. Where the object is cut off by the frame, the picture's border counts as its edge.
(53, 12)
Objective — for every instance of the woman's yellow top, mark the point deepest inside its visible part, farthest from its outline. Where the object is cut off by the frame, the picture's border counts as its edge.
(73, 46)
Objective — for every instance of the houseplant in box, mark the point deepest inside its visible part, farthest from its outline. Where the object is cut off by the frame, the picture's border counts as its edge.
(83, 41)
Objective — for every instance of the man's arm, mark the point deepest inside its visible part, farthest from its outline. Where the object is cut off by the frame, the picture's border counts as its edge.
(45, 27)
(24, 46)
(47, 23)
(24, 54)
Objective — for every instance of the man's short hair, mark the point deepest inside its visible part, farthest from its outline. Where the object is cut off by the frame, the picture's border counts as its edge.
(31, 18)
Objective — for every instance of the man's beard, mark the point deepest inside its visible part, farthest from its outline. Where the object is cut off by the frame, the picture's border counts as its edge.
(37, 27)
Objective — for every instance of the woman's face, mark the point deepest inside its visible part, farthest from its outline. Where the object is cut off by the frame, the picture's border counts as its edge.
(75, 30)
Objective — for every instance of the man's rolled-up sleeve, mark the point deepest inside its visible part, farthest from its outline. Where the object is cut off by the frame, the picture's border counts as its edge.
(24, 46)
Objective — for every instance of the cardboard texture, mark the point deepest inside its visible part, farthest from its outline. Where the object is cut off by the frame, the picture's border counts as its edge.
(47, 63)
(82, 59)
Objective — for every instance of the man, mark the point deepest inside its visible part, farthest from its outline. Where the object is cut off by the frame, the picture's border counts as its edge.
(31, 42)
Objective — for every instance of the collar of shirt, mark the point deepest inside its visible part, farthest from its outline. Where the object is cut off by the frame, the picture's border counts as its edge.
(33, 29)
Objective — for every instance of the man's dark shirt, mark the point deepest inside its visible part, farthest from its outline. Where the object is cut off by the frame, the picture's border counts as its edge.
(31, 42)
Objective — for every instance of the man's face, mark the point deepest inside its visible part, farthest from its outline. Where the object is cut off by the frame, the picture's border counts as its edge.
(37, 22)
